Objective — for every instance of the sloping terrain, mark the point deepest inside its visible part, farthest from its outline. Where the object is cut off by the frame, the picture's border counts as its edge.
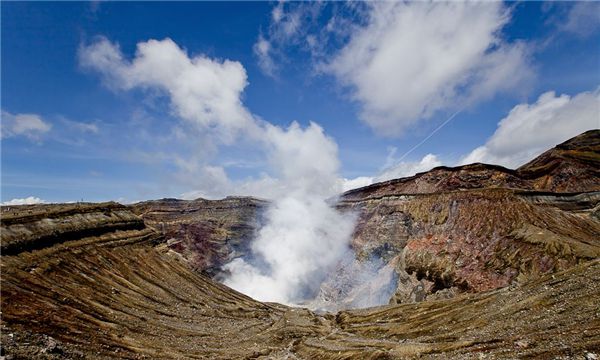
(573, 166)
(447, 231)
(207, 233)
(481, 261)
(114, 294)
(476, 240)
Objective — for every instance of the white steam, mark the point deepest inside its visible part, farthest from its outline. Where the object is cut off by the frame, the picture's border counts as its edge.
(304, 237)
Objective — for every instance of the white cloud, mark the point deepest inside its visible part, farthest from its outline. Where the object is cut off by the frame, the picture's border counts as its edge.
(414, 59)
(262, 50)
(302, 160)
(530, 129)
(31, 126)
(203, 91)
(583, 18)
(393, 170)
(30, 200)
(404, 169)
(349, 184)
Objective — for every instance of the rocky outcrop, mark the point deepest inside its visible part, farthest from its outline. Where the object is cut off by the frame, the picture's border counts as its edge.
(477, 240)
(479, 227)
(573, 166)
(444, 232)
(207, 233)
(114, 296)
(26, 228)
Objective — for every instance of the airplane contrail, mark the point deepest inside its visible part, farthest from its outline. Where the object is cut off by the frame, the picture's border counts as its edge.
(431, 134)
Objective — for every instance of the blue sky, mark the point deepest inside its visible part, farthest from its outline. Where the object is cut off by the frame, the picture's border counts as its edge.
(378, 78)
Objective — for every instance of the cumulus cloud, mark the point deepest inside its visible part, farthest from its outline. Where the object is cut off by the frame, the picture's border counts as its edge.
(355, 183)
(393, 170)
(31, 126)
(413, 59)
(203, 91)
(530, 129)
(30, 200)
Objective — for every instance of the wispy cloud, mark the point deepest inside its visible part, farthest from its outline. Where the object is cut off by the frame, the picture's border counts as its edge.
(582, 19)
(31, 126)
(414, 59)
(30, 200)
(263, 51)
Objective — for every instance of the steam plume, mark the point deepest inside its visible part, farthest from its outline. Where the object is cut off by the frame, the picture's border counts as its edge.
(304, 237)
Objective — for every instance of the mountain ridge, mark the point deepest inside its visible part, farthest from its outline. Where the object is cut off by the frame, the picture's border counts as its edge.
(537, 174)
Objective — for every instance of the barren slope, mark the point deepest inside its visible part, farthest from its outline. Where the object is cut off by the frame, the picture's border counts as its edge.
(477, 240)
(116, 295)
(573, 166)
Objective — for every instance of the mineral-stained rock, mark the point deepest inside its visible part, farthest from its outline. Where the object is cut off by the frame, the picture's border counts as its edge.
(26, 228)
(466, 229)
(484, 262)
(476, 240)
(207, 233)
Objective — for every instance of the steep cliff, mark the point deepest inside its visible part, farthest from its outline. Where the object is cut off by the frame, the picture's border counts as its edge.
(26, 228)
(479, 227)
(207, 233)
(476, 240)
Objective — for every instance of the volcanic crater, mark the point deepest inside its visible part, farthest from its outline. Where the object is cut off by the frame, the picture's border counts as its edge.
(476, 261)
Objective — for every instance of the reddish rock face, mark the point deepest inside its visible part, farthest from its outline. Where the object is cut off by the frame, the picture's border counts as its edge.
(470, 229)
(573, 166)
(449, 230)
(476, 240)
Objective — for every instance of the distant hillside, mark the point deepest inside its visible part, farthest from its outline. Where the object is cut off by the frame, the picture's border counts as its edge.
(573, 166)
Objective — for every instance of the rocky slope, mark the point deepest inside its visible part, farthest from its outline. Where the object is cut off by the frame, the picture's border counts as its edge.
(26, 228)
(111, 292)
(476, 240)
(573, 166)
(446, 231)
(479, 227)
(207, 233)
